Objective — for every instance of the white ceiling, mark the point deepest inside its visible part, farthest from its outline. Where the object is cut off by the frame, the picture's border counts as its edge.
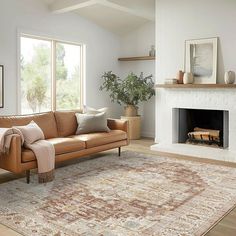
(118, 16)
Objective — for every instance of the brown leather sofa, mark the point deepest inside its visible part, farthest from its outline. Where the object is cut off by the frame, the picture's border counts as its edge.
(59, 128)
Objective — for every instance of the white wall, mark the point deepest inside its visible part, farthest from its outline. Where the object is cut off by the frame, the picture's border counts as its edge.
(138, 43)
(188, 19)
(177, 21)
(103, 47)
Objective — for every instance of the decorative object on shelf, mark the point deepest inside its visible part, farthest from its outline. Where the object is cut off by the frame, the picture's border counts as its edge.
(201, 59)
(188, 78)
(180, 77)
(152, 52)
(229, 77)
(171, 81)
(1, 85)
(134, 131)
(129, 91)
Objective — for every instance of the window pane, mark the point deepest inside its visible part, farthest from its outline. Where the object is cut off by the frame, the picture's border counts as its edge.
(68, 76)
(35, 75)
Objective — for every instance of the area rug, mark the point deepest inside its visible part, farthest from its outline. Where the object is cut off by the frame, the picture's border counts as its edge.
(134, 194)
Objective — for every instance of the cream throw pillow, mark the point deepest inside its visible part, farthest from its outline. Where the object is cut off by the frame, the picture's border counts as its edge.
(31, 132)
(89, 123)
(93, 111)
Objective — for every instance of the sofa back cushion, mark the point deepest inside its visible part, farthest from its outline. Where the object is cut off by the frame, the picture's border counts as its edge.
(66, 122)
(46, 121)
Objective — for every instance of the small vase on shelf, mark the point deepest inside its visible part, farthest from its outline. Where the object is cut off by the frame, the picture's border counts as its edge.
(180, 77)
(188, 78)
(229, 77)
(152, 52)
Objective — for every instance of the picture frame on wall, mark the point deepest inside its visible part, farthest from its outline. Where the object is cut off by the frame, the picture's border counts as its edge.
(1, 86)
(201, 60)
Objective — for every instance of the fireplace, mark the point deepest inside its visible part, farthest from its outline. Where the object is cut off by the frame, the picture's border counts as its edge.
(170, 132)
(202, 127)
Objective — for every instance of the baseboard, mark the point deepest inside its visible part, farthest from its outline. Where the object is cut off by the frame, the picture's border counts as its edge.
(148, 134)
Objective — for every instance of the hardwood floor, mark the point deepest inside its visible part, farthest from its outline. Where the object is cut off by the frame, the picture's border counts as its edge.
(226, 227)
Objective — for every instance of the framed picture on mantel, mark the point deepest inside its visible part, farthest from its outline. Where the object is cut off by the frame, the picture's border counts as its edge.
(1, 86)
(201, 60)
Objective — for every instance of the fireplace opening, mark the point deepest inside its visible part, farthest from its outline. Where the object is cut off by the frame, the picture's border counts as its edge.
(203, 127)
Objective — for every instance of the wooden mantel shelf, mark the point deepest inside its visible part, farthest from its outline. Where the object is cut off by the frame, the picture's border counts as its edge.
(194, 86)
(143, 58)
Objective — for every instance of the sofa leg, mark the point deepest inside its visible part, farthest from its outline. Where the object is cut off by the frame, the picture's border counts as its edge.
(119, 151)
(28, 176)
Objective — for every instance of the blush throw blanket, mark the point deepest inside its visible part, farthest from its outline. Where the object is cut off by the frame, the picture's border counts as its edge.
(33, 138)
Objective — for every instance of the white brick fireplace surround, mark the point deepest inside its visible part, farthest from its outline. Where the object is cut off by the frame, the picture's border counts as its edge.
(193, 98)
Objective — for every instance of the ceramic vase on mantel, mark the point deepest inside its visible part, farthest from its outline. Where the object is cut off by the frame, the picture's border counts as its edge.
(229, 77)
(180, 77)
(188, 78)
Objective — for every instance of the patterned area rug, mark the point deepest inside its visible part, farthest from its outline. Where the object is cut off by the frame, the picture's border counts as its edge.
(134, 194)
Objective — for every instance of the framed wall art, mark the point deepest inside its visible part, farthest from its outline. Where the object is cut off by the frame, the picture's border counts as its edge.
(201, 60)
(1, 86)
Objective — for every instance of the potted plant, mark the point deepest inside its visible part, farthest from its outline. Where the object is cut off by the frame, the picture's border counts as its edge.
(130, 91)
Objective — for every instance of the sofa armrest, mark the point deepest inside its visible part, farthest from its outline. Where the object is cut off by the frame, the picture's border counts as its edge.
(118, 124)
(12, 160)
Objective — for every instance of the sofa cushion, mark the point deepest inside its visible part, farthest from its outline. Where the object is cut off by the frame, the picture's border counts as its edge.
(61, 145)
(65, 145)
(46, 121)
(97, 139)
(66, 122)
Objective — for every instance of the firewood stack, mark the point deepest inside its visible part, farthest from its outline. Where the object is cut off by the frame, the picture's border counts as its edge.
(207, 136)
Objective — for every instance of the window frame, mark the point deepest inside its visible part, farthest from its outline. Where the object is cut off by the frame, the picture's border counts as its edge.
(53, 42)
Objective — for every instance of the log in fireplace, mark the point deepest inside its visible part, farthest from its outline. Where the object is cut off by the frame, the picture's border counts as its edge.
(205, 136)
(203, 127)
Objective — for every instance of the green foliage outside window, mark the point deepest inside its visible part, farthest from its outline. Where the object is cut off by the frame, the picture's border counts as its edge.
(36, 80)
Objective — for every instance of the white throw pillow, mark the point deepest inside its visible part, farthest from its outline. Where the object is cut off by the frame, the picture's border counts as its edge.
(93, 111)
(91, 123)
(31, 132)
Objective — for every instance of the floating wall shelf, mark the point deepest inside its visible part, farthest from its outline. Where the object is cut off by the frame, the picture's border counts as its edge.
(143, 58)
(193, 86)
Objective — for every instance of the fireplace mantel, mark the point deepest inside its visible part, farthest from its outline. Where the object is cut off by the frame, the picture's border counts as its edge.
(206, 97)
(195, 86)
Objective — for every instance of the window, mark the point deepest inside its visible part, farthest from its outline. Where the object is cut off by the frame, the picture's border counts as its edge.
(51, 75)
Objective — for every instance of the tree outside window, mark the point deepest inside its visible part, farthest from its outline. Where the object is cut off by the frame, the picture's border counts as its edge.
(37, 75)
